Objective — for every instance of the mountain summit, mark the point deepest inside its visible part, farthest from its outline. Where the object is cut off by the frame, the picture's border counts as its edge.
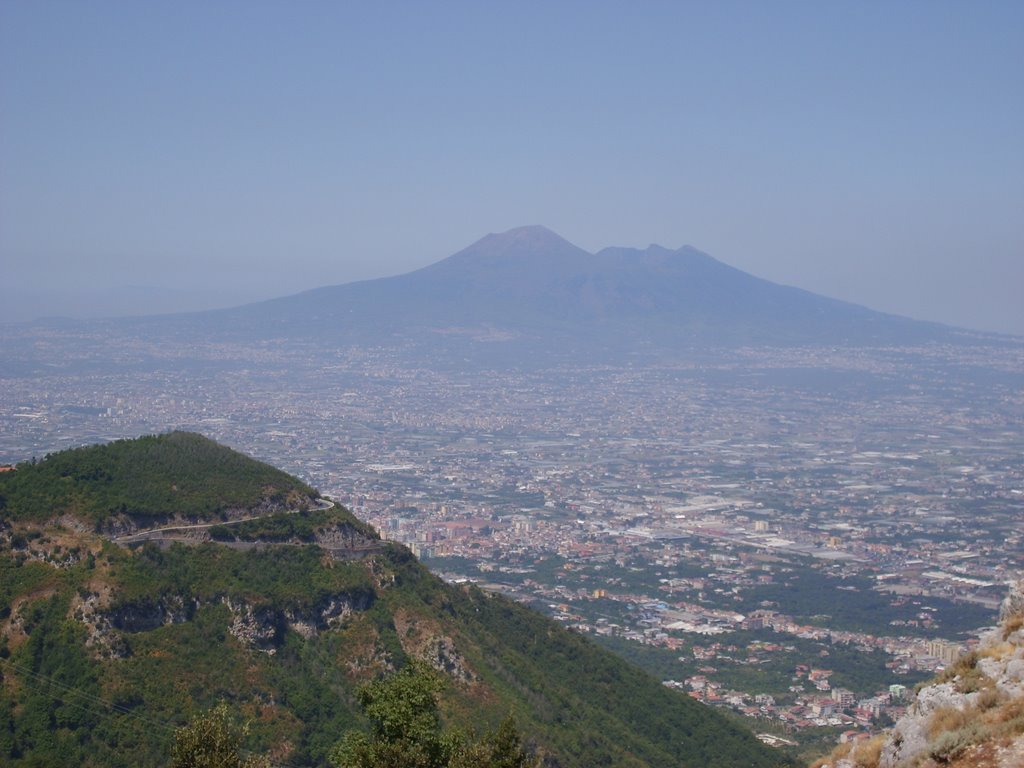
(520, 243)
(529, 295)
(531, 288)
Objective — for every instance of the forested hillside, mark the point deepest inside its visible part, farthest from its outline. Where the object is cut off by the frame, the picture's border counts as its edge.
(107, 649)
(176, 474)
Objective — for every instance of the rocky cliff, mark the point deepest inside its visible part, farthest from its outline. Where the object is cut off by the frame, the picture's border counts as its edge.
(971, 716)
(108, 642)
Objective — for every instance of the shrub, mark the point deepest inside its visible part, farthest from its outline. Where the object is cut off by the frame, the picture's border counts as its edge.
(988, 698)
(952, 744)
(946, 719)
(1008, 719)
(959, 667)
(1012, 624)
(868, 753)
(211, 740)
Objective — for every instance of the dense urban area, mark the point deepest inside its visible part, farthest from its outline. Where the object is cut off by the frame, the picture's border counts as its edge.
(797, 535)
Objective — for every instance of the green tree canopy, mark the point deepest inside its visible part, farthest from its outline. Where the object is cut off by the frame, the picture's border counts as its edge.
(212, 740)
(406, 732)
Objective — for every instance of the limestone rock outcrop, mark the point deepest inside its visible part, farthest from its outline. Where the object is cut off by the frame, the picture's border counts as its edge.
(971, 716)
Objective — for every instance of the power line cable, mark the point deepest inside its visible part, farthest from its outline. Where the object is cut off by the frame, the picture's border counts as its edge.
(92, 700)
(120, 709)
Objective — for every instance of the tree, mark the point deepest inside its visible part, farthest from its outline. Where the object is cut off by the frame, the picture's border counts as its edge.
(405, 730)
(212, 740)
(502, 748)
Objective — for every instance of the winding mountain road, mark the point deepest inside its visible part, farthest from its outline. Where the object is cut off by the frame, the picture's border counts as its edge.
(166, 532)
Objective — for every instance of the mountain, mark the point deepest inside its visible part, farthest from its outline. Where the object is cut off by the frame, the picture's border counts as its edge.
(107, 644)
(523, 298)
(528, 287)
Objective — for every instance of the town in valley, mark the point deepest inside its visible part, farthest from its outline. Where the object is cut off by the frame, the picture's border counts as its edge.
(800, 535)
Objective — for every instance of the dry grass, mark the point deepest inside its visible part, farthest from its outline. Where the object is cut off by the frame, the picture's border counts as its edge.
(979, 756)
(1008, 719)
(965, 674)
(839, 752)
(998, 651)
(867, 753)
(988, 698)
(864, 754)
(955, 734)
(1012, 624)
(960, 668)
(947, 719)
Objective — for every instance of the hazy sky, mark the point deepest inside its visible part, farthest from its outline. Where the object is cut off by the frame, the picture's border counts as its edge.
(220, 151)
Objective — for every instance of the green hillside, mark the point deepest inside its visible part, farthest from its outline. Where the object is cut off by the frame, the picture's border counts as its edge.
(105, 650)
(176, 474)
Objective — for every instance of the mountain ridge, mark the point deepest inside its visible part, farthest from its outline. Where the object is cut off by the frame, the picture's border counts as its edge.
(522, 299)
(119, 484)
(277, 617)
(530, 283)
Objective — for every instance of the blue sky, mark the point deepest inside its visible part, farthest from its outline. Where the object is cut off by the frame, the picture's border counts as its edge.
(217, 152)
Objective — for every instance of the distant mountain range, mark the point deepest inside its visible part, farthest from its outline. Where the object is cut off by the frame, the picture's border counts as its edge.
(526, 296)
(530, 288)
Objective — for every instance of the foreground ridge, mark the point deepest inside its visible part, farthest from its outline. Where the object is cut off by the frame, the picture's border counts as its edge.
(107, 648)
(971, 716)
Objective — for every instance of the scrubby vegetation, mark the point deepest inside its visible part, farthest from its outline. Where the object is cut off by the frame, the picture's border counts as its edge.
(283, 527)
(179, 473)
(972, 710)
(50, 684)
(104, 654)
(580, 703)
(406, 730)
(569, 688)
(212, 740)
(282, 578)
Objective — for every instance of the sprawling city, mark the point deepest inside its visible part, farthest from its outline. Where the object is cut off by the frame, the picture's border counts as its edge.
(795, 535)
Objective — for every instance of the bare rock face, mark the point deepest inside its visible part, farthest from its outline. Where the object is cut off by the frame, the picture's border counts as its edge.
(909, 737)
(343, 536)
(440, 653)
(144, 616)
(107, 626)
(337, 608)
(1013, 603)
(991, 678)
(1006, 672)
(259, 628)
(91, 610)
(263, 628)
(331, 613)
